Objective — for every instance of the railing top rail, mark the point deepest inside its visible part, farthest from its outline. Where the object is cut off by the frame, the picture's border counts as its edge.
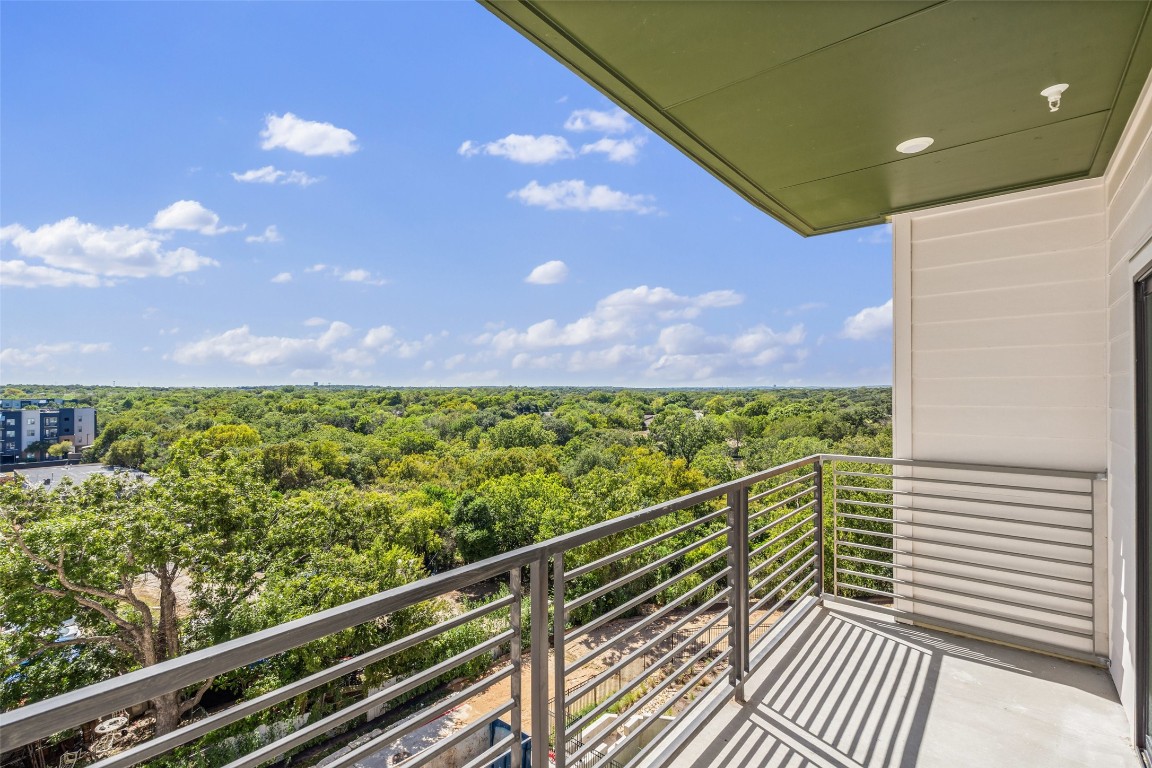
(41, 719)
(998, 468)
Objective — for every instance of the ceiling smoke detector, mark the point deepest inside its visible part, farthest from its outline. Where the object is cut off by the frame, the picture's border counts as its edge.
(912, 146)
(1053, 93)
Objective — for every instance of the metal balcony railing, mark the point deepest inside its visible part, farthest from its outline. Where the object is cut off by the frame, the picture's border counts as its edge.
(641, 620)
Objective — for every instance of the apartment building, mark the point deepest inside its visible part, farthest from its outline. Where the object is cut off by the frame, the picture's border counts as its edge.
(24, 423)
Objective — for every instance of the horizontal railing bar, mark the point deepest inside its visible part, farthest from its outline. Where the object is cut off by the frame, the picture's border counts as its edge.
(648, 621)
(965, 577)
(41, 719)
(490, 755)
(580, 724)
(322, 726)
(971, 483)
(604, 618)
(647, 568)
(208, 724)
(782, 567)
(777, 538)
(791, 595)
(776, 489)
(972, 563)
(965, 500)
(411, 723)
(969, 595)
(628, 658)
(593, 714)
(972, 532)
(783, 502)
(692, 683)
(955, 545)
(624, 522)
(780, 520)
(921, 463)
(426, 756)
(609, 559)
(44, 718)
(869, 590)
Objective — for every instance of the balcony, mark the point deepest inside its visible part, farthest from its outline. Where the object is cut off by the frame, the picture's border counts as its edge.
(835, 610)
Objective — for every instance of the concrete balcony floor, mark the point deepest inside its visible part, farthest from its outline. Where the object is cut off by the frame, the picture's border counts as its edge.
(852, 688)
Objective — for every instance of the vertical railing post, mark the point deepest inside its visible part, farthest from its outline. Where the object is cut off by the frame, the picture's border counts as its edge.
(516, 623)
(738, 583)
(835, 532)
(559, 618)
(539, 676)
(819, 466)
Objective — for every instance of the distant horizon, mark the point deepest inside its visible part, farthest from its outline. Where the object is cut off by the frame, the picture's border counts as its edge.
(33, 395)
(370, 209)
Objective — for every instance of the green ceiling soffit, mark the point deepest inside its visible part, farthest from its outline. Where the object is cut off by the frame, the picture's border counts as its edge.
(799, 106)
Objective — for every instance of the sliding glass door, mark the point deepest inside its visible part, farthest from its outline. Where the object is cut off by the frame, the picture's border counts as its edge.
(1144, 514)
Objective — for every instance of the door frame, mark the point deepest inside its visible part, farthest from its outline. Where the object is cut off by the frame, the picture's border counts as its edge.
(1142, 305)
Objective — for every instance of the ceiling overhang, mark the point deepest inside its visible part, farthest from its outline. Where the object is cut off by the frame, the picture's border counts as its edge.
(799, 106)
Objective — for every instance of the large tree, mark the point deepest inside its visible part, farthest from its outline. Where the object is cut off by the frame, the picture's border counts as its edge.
(151, 571)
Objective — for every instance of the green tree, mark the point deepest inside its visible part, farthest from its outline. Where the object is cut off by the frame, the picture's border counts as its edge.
(151, 571)
(681, 434)
(61, 449)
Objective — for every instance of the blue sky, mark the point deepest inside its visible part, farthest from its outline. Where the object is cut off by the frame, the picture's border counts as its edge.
(382, 193)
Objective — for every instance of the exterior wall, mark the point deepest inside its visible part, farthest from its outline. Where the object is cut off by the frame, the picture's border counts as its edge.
(1013, 341)
(1003, 331)
(1128, 200)
(10, 433)
(29, 428)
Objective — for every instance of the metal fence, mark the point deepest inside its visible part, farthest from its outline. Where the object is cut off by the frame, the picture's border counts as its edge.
(648, 613)
(1006, 553)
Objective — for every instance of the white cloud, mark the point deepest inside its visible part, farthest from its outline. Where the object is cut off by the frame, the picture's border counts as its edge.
(522, 148)
(548, 273)
(271, 235)
(645, 333)
(47, 356)
(615, 121)
(269, 174)
(617, 150)
(332, 348)
(380, 338)
(621, 315)
(307, 137)
(881, 235)
(574, 194)
(282, 277)
(191, 216)
(242, 347)
(86, 255)
(356, 275)
(869, 323)
(14, 272)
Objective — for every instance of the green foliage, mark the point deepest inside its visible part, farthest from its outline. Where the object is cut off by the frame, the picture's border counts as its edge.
(272, 503)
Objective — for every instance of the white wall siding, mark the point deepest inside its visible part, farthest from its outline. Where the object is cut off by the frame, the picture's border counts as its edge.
(1013, 321)
(1128, 203)
(1008, 330)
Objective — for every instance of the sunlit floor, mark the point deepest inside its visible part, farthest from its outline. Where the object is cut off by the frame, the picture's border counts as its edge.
(851, 689)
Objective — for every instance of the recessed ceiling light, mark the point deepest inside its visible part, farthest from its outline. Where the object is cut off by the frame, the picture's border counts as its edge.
(1053, 94)
(912, 146)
